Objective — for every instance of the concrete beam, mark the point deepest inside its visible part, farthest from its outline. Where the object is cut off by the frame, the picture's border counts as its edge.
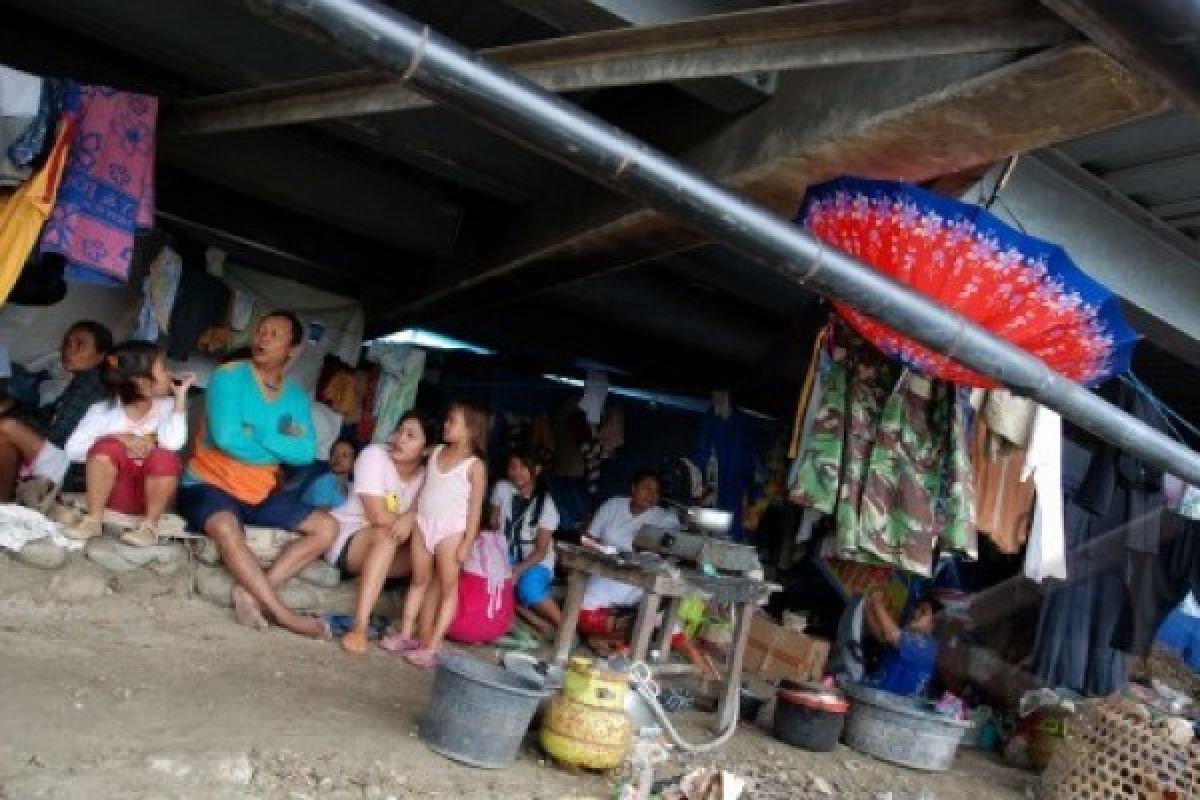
(910, 121)
(1154, 267)
(1157, 38)
(774, 38)
(730, 95)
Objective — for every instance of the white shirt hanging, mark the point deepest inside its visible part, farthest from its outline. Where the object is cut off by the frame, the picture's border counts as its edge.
(1045, 556)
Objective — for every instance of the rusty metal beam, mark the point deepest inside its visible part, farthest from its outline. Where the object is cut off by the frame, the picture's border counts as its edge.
(775, 38)
(1032, 103)
(1155, 37)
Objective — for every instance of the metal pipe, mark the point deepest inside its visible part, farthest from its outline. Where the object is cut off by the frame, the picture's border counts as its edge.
(580, 63)
(551, 125)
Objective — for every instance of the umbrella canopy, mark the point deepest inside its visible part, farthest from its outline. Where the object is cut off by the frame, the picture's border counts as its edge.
(1023, 289)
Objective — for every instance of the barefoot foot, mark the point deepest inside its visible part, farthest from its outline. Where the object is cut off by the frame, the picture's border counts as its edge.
(355, 642)
(246, 610)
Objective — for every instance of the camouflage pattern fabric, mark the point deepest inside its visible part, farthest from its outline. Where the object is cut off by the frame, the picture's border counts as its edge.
(887, 457)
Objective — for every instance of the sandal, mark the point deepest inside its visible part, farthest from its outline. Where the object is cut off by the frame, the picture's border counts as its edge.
(393, 642)
(422, 657)
(87, 528)
(144, 535)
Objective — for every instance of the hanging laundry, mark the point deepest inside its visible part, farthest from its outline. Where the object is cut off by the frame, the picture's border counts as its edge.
(366, 382)
(32, 148)
(158, 295)
(611, 433)
(1003, 500)
(108, 185)
(1046, 555)
(1113, 522)
(241, 310)
(401, 367)
(20, 99)
(595, 391)
(202, 302)
(888, 457)
(725, 455)
(25, 211)
(341, 392)
(1009, 419)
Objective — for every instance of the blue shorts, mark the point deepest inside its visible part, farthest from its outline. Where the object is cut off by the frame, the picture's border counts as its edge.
(534, 586)
(282, 510)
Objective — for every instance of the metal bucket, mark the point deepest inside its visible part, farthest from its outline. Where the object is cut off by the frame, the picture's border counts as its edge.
(892, 728)
(478, 713)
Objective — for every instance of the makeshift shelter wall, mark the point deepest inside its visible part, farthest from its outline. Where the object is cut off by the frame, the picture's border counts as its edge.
(33, 334)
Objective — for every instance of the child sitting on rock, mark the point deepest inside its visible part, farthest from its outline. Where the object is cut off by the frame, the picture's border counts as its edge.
(130, 442)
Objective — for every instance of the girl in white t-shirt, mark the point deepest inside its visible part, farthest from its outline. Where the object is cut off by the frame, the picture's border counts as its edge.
(524, 511)
(130, 444)
(378, 518)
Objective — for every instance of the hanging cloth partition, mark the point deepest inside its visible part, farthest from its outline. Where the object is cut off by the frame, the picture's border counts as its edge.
(108, 185)
(888, 457)
(401, 368)
(25, 211)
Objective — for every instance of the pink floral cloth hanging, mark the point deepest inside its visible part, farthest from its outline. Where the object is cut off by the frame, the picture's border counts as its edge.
(107, 191)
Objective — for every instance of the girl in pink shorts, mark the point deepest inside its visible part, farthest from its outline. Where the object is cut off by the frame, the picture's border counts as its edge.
(448, 515)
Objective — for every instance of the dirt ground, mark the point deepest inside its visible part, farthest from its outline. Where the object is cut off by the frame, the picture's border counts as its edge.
(129, 687)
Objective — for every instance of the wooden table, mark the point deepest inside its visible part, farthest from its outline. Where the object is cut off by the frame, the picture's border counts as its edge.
(745, 594)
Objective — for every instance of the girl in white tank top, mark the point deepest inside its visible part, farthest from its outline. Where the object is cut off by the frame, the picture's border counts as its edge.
(448, 517)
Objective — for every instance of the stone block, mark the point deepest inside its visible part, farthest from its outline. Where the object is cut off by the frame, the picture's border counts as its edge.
(110, 554)
(78, 583)
(43, 554)
(321, 573)
(214, 584)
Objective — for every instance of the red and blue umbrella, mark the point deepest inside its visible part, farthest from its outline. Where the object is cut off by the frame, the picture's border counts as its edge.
(1021, 288)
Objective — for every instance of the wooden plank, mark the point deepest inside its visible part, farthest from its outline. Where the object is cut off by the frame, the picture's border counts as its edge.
(576, 583)
(643, 628)
(730, 702)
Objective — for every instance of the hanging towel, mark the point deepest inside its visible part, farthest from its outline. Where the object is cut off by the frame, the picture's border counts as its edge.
(1045, 556)
(401, 368)
(108, 185)
(24, 213)
(20, 98)
(158, 295)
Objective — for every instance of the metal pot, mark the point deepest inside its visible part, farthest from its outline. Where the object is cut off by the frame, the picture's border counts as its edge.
(712, 521)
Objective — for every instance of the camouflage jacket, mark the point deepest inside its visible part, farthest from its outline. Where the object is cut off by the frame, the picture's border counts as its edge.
(888, 457)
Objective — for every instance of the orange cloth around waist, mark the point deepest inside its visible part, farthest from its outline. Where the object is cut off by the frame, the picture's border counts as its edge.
(250, 483)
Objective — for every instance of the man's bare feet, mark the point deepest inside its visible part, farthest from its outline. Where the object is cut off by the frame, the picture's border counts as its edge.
(355, 642)
(246, 610)
(305, 625)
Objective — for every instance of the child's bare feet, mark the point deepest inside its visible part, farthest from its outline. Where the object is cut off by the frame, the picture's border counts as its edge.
(422, 657)
(355, 642)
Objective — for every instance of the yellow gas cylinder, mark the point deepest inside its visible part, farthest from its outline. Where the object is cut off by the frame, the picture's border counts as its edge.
(585, 725)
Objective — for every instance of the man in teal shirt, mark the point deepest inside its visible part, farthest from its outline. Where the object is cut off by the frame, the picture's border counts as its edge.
(257, 419)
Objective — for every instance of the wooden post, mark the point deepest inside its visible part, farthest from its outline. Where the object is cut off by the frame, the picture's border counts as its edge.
(644, 626)
(662, 642)
(730, 703)
(576, 582)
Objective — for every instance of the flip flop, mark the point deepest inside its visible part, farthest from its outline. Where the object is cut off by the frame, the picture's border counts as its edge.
(422, 657)
(393, 642)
